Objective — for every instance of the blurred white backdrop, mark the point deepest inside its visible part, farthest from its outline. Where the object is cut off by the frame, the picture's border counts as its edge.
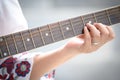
(103, 64)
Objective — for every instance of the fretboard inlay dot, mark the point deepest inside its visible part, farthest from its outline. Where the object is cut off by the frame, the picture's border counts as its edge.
(5, 54)
(28, 39)
(46, 34)
(67, 28)
(90, 22)
(1, 39)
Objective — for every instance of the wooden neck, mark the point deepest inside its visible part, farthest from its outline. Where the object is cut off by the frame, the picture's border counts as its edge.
(29, 39)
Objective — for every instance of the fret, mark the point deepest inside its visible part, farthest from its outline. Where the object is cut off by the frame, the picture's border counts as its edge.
(56, 32)
(3, 48)
(108, 17)
(37, 37)
(72, 26)
(11, 44)
(46, 34)
(27, 40)
(7, 46)
(67, 28)
(61, 30)
(1, 56)
(114, 15)
(51, 33)
(78, 25)
(89, 18)
(102, 17)
(14, 43)
(19, 42)
(32, 38)
(82, 20)
(41, 36)
(95, 17)
(23, 41)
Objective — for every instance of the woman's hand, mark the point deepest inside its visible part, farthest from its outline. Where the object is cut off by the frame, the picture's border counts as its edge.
(94, 37)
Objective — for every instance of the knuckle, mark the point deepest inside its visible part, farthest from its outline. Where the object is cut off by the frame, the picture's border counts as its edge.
(99, 24)
(96, 35)
(106, 33)
(112, 36)
(88, 37)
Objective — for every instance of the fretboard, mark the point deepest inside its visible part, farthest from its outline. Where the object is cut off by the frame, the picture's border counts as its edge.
(37, 37)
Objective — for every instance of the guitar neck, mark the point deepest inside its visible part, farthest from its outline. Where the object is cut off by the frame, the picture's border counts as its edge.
(37, 37)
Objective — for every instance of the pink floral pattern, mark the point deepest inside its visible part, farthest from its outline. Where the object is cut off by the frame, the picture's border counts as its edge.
(8, 65)
(11, 77)
(3, 77)
(23, 68)
(12, 68)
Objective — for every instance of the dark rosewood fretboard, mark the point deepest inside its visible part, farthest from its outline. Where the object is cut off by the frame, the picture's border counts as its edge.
(29, 39)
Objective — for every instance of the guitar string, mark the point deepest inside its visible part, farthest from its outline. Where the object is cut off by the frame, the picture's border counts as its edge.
(112, 10)
(35, 33)
(88, 17)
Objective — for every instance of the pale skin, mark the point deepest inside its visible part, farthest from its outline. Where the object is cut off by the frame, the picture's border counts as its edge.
(82, 43)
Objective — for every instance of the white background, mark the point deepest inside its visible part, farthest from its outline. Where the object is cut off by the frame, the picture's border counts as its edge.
(103, 64)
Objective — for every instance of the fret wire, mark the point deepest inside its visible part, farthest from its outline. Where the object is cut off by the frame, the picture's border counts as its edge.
(7, 46)
(61, 30)
(41, 36)
(23, 41)
(114, 16)
(15, 43)
(89, 17)
(32, 38)
(72, 26)
(11, 44)
(100, 16)
(65, 31)
(1, 53)
(114, 12)
(34, 33)
(118, 8)
(51, 33)
(94, 17)
(82, 20)
(101, 19)
(56, 31)
(108, 17)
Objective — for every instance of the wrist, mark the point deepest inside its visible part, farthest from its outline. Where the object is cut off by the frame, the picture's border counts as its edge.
(68, 51)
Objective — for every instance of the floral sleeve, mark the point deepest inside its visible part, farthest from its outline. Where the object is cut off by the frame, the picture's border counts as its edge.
(19, 67)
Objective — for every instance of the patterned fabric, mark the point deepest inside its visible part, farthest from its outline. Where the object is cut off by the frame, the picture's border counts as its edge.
(19, 67)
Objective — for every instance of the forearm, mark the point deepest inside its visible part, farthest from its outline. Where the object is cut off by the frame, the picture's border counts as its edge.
(80, 44)
(50, 60)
